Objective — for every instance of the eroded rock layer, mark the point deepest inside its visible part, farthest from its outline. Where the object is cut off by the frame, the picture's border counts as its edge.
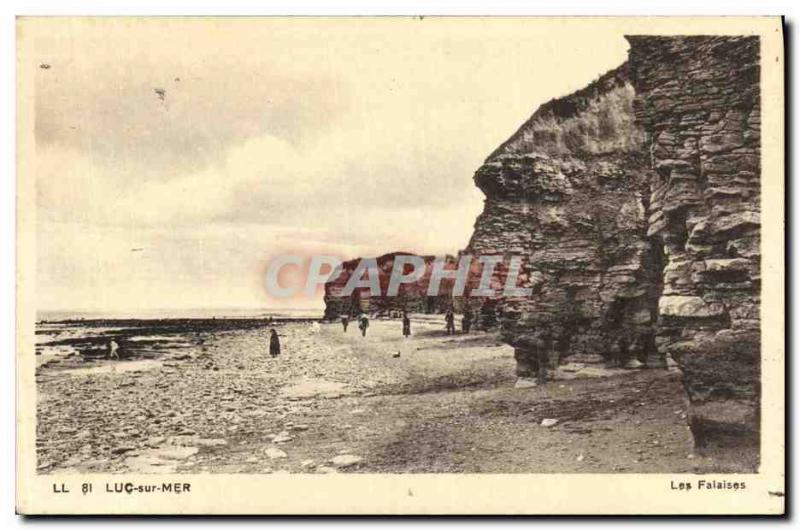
(412, 297)
(569, 192)
(698, 99)
(635, 203)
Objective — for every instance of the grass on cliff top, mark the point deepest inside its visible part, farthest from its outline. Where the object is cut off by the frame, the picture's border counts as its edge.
(605, 126)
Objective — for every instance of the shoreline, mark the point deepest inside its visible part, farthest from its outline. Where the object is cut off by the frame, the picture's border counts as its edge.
(433, 403)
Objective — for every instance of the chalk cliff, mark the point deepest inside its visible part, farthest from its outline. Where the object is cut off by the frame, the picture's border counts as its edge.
(411, 297)
(698, 99)
(569, 191)
(636, 204)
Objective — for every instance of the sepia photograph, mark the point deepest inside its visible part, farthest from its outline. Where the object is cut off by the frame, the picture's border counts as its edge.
(514, 249)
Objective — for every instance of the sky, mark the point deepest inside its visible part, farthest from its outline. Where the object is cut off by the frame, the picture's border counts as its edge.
(174, 157)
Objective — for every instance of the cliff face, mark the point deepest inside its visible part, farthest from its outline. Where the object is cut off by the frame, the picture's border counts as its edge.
(569, 191)
(698, 99)
(411, 297)
(636, 204)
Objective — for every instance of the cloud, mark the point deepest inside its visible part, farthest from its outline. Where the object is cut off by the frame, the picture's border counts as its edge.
(328, 184)
(154, 110)
(350, 138)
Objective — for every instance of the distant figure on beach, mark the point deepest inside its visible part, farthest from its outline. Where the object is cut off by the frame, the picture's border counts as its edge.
(113, 349)
(345, 322)
(406, 325)
(274, 343)
(544, 344)
(466, 321)
(315, 328)
(450, 319)
(363, 324)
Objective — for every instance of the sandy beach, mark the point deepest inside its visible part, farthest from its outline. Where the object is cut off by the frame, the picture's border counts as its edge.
(337, 402)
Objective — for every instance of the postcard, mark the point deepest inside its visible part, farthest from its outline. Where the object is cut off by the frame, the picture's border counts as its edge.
(400, 265)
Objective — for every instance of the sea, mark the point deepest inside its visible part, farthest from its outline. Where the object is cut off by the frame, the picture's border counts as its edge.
(159, 314)
(145, 334)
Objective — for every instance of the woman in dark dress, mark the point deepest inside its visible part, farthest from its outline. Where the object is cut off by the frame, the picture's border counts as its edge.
(406, 325)
(363, 324)
(466, 321)
(274, 343)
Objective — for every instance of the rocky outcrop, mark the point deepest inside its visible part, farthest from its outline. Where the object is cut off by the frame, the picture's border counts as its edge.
(698, 100)
(635, 202)
(569, 191)
(411, 297)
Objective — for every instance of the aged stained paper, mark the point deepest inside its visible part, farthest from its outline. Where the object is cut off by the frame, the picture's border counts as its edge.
(412, 265)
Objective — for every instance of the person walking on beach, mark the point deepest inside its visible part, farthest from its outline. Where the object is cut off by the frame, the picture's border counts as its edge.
(406, 325)
(345, 322)
(274, 343)
(544, 345)
(363, 324)
(113, 349)
(449, 319)
(466, 320)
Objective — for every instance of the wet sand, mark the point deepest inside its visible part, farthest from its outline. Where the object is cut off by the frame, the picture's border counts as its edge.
(336, 402)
